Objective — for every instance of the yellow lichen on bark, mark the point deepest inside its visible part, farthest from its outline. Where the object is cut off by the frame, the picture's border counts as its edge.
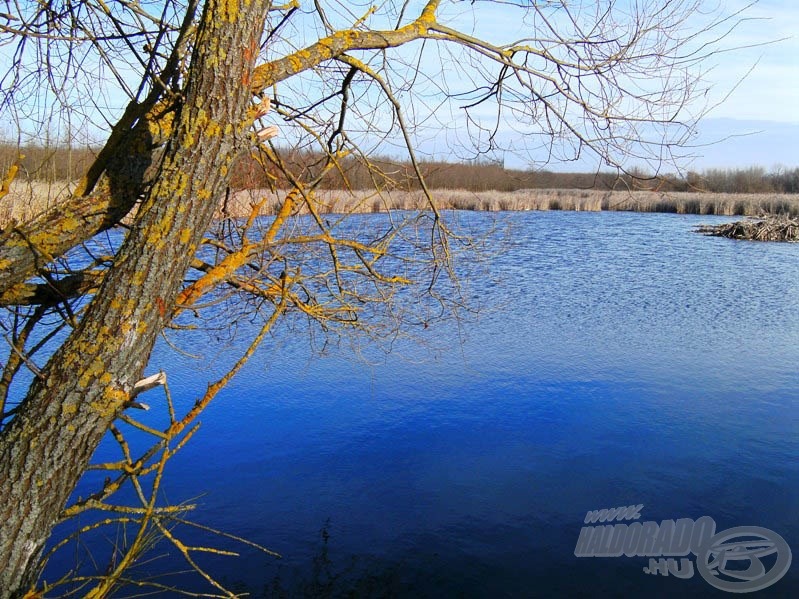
(112, 398)
(5, 186)
(69, 224)
(213, 129)
(160, 120)
(95, 369)
(137, 280)
(215, 275)
(337, 43)
(228, 10)
(158, 233)
(41, 240)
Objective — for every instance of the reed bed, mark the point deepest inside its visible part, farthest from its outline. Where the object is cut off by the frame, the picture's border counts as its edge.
(725, 204)
(27, 199)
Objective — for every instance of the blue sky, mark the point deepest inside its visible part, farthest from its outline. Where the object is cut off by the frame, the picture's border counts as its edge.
(749, 90)
(770, 92)
(753, 86)
(760, 117)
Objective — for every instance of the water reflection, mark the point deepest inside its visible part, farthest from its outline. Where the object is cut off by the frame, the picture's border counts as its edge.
(618, 359)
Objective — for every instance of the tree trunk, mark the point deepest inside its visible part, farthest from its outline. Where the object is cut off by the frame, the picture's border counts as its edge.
(47, 446)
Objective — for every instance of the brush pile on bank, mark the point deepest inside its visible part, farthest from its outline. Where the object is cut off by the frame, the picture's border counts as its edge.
(767, 229)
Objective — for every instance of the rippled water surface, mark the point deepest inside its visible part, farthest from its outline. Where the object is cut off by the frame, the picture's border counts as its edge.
(622, 360)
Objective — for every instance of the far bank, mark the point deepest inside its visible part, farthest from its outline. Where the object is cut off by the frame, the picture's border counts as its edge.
(27, 199)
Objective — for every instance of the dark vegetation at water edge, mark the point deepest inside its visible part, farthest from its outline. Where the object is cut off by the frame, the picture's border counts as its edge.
(61, 163)
(767, 229)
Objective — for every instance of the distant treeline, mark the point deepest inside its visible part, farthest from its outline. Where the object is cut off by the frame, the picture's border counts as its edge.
(57, 163)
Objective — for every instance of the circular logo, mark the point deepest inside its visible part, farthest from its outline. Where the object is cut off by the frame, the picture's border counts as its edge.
(731, 559)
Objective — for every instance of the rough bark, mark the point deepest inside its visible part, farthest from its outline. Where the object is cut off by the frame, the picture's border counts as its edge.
(52, 292)
(46, 447)
(133, 156)
(129, 162)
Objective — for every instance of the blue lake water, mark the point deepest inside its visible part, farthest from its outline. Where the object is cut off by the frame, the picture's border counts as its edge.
(620, 359)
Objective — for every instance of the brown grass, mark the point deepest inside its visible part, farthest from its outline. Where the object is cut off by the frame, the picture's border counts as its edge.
(540, 199)
(26, 199)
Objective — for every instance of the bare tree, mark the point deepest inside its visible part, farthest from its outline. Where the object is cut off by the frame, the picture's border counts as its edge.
(616, 79)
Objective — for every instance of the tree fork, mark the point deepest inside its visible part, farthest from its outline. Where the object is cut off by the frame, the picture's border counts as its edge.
(47, 446)
(130, 161)
(25, 249)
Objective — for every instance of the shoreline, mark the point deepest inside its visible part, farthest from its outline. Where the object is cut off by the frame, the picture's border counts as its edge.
(25, 200)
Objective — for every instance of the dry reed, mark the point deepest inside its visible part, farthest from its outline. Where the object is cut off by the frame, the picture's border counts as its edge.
(726, 204)
(27, 199)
